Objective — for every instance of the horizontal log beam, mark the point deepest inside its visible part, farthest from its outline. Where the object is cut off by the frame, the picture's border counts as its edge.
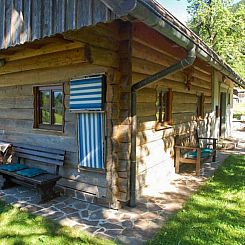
(39, 49)
(69, 57)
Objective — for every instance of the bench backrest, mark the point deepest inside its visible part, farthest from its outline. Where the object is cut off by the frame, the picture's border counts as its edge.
(45, 155)
(190, 138)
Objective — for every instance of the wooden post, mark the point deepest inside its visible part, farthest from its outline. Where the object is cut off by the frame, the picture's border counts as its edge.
(177, 162)
(214, 150)
(198, 161)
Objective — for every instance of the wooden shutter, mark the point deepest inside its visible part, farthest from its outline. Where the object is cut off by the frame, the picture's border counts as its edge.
(202, 105)
(36, 105)
(169, 108)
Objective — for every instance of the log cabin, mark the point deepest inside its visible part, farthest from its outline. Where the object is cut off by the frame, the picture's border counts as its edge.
(112, 83)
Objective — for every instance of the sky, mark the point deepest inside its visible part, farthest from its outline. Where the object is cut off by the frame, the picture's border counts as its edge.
(178, 8)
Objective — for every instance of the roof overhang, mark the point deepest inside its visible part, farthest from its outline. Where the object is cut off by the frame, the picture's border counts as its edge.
(154, 15)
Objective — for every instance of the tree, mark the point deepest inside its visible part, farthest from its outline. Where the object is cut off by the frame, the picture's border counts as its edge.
(222, 28)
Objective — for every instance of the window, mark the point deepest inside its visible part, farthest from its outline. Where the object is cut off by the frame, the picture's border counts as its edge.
(87, 99)
(49, 107)
(164, 107)
(88, 93)
(200, 106)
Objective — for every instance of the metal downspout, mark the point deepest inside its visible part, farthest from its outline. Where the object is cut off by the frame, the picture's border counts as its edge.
(170, 27)
(188, 61)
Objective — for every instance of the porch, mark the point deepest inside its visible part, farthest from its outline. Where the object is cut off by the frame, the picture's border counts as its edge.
(128, 225)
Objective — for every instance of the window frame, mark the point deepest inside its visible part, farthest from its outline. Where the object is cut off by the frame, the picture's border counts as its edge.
(166, 120)
(38, 107)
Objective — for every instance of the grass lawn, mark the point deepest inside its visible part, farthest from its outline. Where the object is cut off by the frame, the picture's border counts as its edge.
(21, 228)
(215, 214)
(238, 110)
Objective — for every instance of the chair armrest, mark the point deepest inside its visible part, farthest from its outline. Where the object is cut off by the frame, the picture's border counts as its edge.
(213, 139)
(187, 147)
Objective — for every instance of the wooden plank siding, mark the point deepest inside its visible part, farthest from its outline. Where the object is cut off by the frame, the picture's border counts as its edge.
(59, 61)
(150, 54)
(25, 21)
(126, 52)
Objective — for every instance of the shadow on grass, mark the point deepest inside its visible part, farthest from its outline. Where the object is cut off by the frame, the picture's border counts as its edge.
(215, 214)
(17, 227)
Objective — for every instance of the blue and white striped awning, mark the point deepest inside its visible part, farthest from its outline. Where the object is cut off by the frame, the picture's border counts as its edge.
(86, 93)
(91, 138)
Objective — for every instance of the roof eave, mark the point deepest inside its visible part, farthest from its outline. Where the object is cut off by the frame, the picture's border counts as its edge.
(153, 15)
(120, 7)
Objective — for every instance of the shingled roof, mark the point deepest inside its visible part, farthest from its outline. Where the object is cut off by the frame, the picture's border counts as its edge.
(26, 21)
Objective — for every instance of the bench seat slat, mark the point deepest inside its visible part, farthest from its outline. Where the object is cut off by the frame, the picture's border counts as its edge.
(38, 148)
(40, 179)
(41, 159)
(39, 153)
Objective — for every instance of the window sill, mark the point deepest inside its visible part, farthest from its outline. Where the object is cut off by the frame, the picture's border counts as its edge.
(48, 131)
(93, 170)
(200, 119)
(162, 126)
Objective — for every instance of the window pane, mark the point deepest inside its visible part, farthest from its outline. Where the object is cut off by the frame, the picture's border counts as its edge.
(45, 98)
(49, 110)
(45, 116)
(57, 99)
(58, 116)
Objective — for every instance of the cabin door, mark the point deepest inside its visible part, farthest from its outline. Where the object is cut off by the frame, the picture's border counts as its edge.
(222, 114)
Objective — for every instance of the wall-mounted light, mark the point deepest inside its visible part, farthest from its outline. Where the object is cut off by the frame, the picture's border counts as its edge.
(2, 62)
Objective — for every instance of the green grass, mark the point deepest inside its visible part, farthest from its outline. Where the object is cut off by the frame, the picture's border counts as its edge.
(22, 228)
(215, 214)
(238, 110)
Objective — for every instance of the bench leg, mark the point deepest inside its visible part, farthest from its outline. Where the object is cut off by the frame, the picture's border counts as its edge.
(214, 157)
(198, 162)
(46, 192)
(6, 183)
(177, 162)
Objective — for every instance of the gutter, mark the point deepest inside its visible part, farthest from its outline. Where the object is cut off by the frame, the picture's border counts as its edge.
(162, 21)
(184, 63)
(155, 16)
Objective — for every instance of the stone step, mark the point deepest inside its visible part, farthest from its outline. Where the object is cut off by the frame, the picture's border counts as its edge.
(227, 144)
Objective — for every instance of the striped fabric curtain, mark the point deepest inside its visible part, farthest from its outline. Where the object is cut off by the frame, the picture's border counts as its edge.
(91, 135)
(86, 93)
(86, 100)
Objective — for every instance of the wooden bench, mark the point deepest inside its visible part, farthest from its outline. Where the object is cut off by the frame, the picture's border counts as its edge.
(191, 149)
(21, 173)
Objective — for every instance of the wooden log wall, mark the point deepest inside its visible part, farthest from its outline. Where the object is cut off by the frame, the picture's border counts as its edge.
(127, 53)
(150, 54)
(58, 60)
(123, 136)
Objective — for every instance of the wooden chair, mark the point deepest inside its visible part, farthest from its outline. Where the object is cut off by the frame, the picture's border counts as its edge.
(190, 149)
